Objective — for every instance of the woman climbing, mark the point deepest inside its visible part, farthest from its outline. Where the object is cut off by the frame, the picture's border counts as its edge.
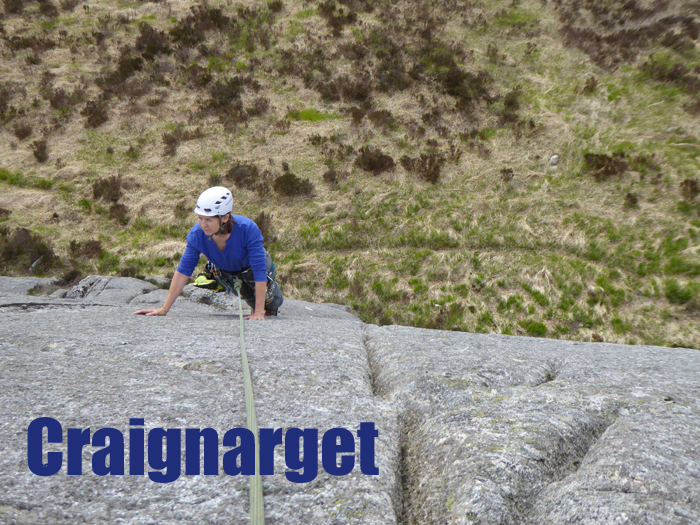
(233, 245)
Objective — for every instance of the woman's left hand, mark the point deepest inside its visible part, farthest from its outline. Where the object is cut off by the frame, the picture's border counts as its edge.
(255, 316)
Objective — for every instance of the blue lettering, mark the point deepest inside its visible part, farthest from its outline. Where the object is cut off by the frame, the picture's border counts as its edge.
(115, 452)
(172, 454)
(211, 451)
(77, 439)
(136, 447)
(246, 452)
(330, 449)
(293, 459)
(35, 451)
(367, 433)
(269, 439)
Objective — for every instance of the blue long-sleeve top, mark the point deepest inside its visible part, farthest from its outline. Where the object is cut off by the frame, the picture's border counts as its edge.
(244, 248)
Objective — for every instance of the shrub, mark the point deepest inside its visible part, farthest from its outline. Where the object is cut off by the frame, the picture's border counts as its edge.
(507, 174)
(374, 161)
(357, 115)
(179, 134)
(129, 271)
(264, 222)
(108, 189)
(291, 185)
(96, 113)
(511, 104)
(244, 176)
(47, 8)
(427, 166)
(391, 75)
(690, 189)
(198, 76)
(22, 249)
(384, 119)
(224, 92)
(355, 89)
(40, 150)
(5, 98)
(225, 99)
(172, 141)
(150, 42)
(260, 105)
(191, 30)
(22, 130)
(590, 86)
(127, 65)
(119, 212)
(4, 214)
(317, 140)
(282, 126)
(275, 6)
(88, 249)
(631, 200)
(336, 16)
(332, 177)
(34, 43)
(60, 99)
(13, 7)
(605, 166)
(33, 60)
(69, 5)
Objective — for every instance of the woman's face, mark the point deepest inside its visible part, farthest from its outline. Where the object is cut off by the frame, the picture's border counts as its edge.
(211, 225)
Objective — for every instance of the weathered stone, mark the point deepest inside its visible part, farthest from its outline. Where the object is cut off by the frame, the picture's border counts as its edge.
(500, 429)
(160, 282)
(472, 428)
(109, 289)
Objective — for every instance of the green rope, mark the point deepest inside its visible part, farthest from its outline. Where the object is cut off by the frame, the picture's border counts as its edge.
(257, 512)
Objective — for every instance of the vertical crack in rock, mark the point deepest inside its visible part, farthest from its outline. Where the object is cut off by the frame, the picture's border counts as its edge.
(564, 447)
(407, 486)
(373, 366)
(408, 496)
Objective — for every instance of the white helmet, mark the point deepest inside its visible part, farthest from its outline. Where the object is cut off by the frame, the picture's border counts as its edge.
(214, 201)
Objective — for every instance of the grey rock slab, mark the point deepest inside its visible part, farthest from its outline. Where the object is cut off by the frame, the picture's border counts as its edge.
(472, 428)
(291, 307)
(161, 282)
(120, 290)
(499, 429)
(21, 285)
(155, 298)
(96, 365)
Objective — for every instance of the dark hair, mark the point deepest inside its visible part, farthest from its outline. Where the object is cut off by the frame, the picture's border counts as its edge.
(227, 227)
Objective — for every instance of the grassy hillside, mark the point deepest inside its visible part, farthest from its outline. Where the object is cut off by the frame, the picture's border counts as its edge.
(395, 154)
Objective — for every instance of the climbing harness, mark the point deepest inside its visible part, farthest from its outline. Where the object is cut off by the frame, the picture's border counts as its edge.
(218, 280)
(257, 513)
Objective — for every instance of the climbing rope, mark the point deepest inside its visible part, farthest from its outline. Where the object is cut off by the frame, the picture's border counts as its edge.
(257, 513)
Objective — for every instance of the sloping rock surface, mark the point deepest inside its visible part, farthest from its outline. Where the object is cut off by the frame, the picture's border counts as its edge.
(472, 428)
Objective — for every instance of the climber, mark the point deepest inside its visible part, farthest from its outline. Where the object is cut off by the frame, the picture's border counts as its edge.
(233, 245)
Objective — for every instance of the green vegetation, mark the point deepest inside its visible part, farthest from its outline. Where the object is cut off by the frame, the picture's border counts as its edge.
(310, 115)
(420, 192)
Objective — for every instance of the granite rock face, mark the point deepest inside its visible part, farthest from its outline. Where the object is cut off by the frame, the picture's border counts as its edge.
(472, 428)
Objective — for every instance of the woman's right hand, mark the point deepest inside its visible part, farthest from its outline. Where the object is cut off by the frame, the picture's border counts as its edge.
(152, 311)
